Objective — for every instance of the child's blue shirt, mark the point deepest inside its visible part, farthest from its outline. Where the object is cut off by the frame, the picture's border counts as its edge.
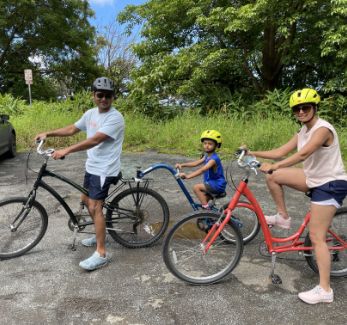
(214, 177)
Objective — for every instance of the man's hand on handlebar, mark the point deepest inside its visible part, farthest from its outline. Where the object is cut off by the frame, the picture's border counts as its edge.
(59, 154)
(40, 136)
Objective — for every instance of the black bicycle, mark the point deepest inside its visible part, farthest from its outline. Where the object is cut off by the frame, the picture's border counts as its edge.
(136, 217)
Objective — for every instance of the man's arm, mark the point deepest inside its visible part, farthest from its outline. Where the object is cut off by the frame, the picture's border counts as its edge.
(63, 132)
(83, 145)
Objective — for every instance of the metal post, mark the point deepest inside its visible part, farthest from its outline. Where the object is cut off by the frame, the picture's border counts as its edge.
(29, 94)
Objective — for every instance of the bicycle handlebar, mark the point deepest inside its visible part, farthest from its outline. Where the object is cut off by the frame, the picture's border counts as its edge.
(244, 160)
(47, 152)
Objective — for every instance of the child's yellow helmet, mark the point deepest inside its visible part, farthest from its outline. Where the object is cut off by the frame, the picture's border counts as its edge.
(212, 135)
(303, 96)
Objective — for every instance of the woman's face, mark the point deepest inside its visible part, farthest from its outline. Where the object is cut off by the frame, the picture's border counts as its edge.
(304, 113)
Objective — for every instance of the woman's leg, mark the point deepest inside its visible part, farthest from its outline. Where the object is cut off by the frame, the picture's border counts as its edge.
(321, 217)
(291, 177)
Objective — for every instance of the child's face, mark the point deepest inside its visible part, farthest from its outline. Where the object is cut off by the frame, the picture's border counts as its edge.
(209, 145)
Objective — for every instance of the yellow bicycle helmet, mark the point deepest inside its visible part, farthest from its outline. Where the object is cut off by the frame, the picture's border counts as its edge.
(303, 96)
(212, 135)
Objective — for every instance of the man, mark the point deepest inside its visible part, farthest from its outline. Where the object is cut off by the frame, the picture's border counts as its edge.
(104, 126)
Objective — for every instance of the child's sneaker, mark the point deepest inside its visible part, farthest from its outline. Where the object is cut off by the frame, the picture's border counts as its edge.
(206, 206)
(278, 220)
(317, 295)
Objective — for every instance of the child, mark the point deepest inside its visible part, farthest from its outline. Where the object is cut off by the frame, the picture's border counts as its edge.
(214, 180)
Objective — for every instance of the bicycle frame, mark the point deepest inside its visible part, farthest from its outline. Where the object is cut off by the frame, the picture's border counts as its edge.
(44, 172)
(140, 174)
(294, 243)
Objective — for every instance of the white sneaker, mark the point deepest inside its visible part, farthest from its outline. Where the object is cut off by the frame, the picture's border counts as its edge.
(278, 220)
(91, 241)
(317, 295)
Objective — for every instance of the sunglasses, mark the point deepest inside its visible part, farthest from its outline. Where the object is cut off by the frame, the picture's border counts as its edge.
(104, 95)
(304, 108)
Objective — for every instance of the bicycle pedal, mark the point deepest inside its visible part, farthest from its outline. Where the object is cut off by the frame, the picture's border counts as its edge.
(275, 279)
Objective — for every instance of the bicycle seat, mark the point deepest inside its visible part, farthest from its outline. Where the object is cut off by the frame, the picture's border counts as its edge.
(218, 195)
(118, 177)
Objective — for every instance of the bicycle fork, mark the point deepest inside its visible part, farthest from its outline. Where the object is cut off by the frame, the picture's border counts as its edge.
(215, 230)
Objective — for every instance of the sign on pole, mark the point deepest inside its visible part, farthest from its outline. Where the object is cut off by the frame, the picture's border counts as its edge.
(28, 76)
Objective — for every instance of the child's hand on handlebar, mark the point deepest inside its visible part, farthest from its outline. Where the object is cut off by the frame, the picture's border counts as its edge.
(178, 166)
(182, 175)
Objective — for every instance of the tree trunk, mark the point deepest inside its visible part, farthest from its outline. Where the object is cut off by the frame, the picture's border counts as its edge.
(271, 60)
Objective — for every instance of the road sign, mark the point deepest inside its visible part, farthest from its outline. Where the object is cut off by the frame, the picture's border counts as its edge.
(28, 75)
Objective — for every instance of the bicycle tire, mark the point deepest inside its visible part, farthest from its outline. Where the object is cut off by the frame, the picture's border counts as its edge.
(339, 258)
(248, 220)
(183, 250)
(30, 231)
(141, 217)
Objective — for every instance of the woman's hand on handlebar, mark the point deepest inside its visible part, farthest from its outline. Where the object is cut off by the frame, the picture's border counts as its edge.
(268, 168)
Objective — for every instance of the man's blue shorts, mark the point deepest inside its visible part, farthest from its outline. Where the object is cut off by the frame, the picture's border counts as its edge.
(98, 186)
(334, 190)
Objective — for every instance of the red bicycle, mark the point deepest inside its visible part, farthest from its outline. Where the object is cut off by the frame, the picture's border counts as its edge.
(204, 247)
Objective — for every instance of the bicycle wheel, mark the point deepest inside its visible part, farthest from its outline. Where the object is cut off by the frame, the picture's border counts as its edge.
(20, 228)
(248, 222)
(184, 255)
(338, 257)
(137, 217)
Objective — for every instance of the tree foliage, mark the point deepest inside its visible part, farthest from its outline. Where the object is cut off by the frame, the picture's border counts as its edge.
(205, 51)
(53, 37)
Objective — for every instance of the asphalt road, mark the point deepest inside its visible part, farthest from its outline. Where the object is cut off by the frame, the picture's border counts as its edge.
(46, 285)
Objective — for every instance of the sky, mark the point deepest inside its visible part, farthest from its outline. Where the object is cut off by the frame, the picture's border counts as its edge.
(107, 10)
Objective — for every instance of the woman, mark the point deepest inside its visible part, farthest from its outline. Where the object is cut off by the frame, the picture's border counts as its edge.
(323, 174)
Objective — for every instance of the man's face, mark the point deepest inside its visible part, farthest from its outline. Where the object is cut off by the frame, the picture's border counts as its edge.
(103, 99)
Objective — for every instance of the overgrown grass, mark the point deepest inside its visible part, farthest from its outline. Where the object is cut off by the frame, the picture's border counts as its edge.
(179, 135)
(176, 136)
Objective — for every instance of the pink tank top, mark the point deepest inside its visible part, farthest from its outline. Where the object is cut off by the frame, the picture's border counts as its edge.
(325, 164)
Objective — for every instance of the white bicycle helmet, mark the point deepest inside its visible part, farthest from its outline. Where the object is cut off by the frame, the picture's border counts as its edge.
(103, 83)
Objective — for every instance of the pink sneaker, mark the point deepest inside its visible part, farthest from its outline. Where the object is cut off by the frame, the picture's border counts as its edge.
(316, 295)
(278, 220)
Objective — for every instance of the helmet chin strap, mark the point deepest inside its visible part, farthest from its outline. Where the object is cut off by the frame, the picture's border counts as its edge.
(313, 116)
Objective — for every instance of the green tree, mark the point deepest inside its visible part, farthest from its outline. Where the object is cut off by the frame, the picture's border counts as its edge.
(53, 37)
(205, 51)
